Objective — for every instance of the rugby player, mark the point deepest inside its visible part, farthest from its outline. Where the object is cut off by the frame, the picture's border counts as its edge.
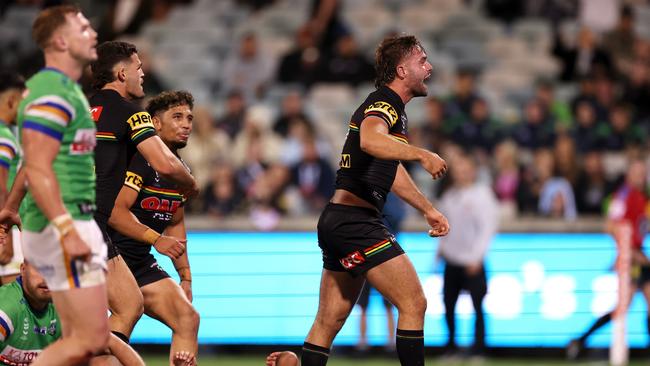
(150, 203)
(60, 238)
(355, 243)
(12, 86)
(124, 128)
(29, 323)
(629, 203)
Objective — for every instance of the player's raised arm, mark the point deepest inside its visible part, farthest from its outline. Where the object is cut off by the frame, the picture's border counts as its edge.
(168, 165)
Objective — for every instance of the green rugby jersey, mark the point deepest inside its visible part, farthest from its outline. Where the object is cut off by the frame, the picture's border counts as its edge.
(9, 152)
(56, 106)
(24, 332)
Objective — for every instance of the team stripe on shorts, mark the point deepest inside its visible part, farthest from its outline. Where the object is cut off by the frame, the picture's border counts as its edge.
(377, 248)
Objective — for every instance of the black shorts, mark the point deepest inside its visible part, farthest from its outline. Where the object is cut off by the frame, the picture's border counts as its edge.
(354, 239)
(146, 270)
(640, 274)
(112, 249)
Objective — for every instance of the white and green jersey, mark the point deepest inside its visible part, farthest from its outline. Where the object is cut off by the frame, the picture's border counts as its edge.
(9, 152)
(56, 106)
(24, 332)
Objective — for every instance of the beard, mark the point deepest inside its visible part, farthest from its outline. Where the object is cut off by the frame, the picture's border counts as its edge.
(420, 90)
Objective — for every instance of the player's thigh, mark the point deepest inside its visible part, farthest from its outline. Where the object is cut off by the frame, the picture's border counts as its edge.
(165, 300)
(89, 301)
(397, 280)
(338, 293)
(123, 291)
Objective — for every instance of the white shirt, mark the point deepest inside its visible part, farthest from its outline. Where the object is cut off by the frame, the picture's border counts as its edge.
(473, 215)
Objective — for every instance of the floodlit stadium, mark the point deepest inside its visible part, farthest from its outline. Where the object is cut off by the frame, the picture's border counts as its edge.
(504, 149)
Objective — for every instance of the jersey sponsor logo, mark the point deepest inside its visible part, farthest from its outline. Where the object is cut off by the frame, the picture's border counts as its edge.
(385, 109)
(133, 180)
(96, 112)
(84, 141)
(159, 204)
(140, 120)
(11, 355)
(345, 161)
(352, 260)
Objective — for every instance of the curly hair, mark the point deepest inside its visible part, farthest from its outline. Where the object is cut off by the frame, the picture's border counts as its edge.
(169, 99)
(109, 54)
(389, 54)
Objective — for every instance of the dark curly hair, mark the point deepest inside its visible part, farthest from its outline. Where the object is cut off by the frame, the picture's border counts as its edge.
(169, 99)
(389, 54)
(108, 55)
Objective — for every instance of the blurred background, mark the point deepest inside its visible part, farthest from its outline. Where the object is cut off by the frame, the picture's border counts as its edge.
(550, 97)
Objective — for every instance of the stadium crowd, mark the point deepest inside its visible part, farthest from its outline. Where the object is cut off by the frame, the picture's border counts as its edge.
(266, 121)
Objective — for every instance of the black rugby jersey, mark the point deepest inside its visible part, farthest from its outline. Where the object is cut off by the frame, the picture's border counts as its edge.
(158, 200)
(121, 126)
(361, 173)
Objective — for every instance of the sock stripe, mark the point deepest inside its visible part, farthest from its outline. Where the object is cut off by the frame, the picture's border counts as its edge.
(409, 337)
(314, 351)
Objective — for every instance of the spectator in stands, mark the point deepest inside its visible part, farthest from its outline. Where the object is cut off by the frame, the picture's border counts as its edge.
(302, 64)
(636, 91)
(206, 144)
(346, 64)
(506, 178)
(556, 198)
(221, 196)
(433, 132)
(566, 158)
(266, 197)
(620, 133)
(533, 176)
(558, 111)
(478, 133)
(587, 58)
(256, 131)
(605, 98)
(585, 132)
(313, 176)
(473, 208)
(593, 186)
(619, 42)
(326, 24)
(233, 120)
(248, 69)
(292, 108)
(459, 104)
(586, 92)
(293, 147)
(536, 131)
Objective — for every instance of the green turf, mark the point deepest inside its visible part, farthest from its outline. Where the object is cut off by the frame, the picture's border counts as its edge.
(342, 361)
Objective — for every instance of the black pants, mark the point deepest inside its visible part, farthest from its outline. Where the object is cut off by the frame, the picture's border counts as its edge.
(457, 279)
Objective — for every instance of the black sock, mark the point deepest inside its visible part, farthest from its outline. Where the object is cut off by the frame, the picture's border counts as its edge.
(597, 325)
(410, 347)
(121, 336)
(313, 355)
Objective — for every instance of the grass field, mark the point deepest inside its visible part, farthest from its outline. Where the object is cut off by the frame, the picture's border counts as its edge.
(158, 360)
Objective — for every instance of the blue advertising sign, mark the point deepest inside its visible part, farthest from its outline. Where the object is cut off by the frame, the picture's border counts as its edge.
(262, 288)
